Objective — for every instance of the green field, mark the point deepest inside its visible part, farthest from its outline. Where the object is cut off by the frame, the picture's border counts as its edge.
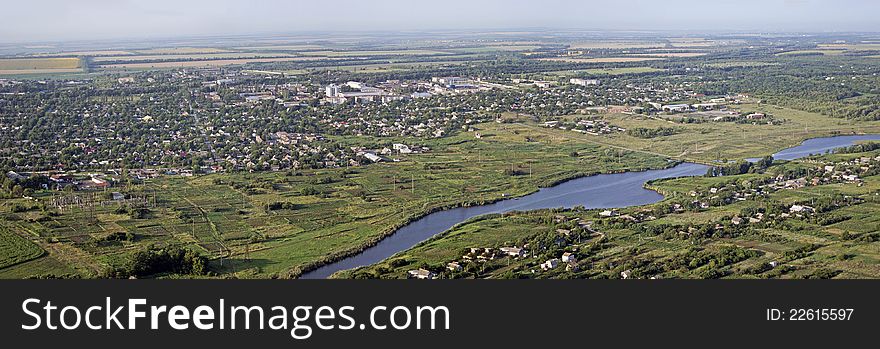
(706, 142)
(15, 250)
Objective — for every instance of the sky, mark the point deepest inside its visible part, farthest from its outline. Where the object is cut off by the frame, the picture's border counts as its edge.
(63, 20)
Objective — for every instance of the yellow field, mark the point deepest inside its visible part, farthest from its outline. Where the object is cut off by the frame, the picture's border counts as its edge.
(601, 60)
(38, 65)
(38, 71)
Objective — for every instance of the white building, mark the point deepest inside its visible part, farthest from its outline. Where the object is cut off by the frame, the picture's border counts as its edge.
(332, 90)
(584, 82)
(550, 264)
(372, 157)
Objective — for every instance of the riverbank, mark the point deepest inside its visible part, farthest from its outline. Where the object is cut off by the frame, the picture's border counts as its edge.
(368, 257)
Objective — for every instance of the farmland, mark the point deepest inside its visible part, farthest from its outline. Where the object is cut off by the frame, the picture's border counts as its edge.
(16, 250)
(17, 66)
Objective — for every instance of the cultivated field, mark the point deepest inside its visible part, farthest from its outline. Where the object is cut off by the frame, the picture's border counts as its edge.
(14, 66)
(15, 250)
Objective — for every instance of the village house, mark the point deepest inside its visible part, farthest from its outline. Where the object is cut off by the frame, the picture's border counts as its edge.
(513, 251)
(453, 266)
(550, 264)
(420, 273)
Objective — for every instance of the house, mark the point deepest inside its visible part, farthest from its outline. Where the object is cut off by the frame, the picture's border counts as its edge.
(420, 273)
(568, 257)
(550, 264)
(609, 213)
(736, 220)
(453, 266)
(755, 116)
(372, 157)
(401, 148)
(850, 178)
(513, 251)
(800, 208)
(93, 184)
(117, 196)
(626, 274)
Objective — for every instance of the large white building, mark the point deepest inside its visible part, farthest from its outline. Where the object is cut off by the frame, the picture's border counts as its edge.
(332, 90)
(584, 82)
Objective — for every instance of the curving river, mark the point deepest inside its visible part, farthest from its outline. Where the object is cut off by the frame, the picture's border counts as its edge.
(597, 191)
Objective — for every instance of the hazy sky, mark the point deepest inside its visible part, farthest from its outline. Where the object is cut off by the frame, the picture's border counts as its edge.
(57, 20)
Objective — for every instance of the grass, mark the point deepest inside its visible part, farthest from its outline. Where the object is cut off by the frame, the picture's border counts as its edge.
(15, 250)
(711, 141)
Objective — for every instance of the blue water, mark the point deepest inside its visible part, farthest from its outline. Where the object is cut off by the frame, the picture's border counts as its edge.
(821, 146)
(598, 191)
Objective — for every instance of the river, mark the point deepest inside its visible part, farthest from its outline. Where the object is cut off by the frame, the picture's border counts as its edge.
(598, 191)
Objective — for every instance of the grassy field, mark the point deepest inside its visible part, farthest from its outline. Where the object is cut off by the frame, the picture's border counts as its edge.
(15, 250)
(16, 66)
(706, 142)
